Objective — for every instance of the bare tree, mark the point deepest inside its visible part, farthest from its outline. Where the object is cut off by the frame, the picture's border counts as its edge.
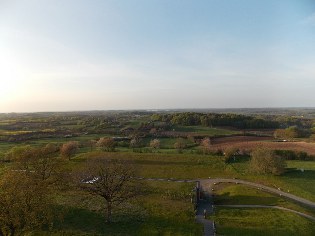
(112, 180)
(69, 149)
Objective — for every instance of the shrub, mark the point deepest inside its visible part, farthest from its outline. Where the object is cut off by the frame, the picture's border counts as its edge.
(264, 161)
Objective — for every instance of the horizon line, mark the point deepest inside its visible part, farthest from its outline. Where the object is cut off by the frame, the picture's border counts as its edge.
(156, 109)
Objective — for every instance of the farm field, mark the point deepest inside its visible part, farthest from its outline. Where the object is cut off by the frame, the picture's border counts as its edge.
(238, 139)
(250, 145)
(201, 130)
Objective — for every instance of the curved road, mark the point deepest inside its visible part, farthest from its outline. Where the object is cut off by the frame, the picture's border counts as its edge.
(205, 204)
(207, 183)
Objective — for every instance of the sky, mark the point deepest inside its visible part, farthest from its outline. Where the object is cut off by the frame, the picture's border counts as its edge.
(70, 55)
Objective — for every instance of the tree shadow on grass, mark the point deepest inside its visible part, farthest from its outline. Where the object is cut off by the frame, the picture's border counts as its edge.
(83, 221)
(169, 226)
(240, 159)
(253, 222)
(297, 173)
(226, 199)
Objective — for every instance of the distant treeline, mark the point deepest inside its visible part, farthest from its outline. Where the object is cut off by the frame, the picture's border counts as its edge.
(211, 119)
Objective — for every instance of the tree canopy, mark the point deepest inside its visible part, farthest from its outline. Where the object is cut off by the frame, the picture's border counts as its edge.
(264, 161)
(112, 180)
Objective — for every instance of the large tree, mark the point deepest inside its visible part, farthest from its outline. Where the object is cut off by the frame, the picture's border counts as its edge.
(24, 203)
(264, 161)
(112, 180)
(41, 162)
(230, 153)
(288, 133)
(69, 149)
(106, 144)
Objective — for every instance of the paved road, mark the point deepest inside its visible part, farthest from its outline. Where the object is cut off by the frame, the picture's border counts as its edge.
(205, 207)
(208, 228)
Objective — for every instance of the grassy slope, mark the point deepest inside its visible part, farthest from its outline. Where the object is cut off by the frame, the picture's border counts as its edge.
(232, 194)
(159, 165)
(296, 182)
(192, 166)
(261, 222)
(164, 209)
(242, 221)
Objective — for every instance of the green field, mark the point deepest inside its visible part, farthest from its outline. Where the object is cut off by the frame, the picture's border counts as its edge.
(294, 181)
(231, 221)
(160, 165)
(231, 194)
(163, 209)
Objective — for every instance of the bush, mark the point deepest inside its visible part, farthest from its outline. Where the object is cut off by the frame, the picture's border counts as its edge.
(106, 144)
(69, 149)
(264, 161)
(230, 153)
(293, 155)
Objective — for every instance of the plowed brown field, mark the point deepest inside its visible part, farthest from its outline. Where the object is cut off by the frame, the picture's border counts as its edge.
(249, 145)
(237, 139)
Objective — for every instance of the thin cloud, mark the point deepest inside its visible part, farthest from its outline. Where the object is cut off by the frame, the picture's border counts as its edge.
(310, 20)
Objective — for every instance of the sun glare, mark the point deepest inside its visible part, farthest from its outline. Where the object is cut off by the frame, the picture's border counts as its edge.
(10, 81)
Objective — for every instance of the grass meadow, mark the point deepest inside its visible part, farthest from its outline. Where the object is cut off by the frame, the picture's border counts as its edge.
(162, 209)
(261, 222)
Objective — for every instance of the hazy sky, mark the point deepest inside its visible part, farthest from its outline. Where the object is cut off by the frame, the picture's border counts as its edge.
(58, 55)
